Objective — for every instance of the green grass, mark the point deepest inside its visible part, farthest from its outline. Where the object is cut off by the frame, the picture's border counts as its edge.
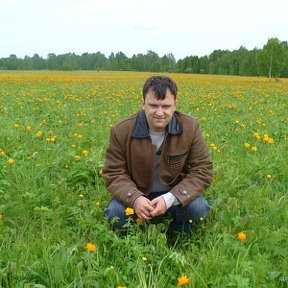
(52, 198)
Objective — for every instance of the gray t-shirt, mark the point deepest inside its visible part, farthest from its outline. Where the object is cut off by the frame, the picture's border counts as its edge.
(157, 139)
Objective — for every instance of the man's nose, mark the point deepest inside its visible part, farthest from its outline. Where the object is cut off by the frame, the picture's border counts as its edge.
(159, 111)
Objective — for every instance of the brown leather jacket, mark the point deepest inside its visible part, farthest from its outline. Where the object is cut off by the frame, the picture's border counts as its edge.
(184, 164)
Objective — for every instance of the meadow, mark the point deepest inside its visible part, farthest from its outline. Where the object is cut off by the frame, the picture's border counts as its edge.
(54, 129)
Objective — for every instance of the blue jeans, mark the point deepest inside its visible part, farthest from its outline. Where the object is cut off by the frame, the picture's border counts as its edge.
(183, 218)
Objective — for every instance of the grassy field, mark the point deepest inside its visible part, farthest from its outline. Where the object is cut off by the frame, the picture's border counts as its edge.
(54, 129)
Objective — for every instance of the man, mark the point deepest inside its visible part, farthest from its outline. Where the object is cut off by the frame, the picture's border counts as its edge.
(157, 162)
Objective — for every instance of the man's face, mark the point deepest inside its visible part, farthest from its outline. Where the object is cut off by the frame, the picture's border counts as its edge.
(159, 112)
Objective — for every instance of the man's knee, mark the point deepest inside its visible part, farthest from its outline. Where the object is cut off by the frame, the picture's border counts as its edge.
(199, 208)
(115, 213)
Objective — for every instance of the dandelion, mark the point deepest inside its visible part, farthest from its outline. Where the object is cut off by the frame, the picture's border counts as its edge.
(53, 139)
(73, 146)
(183, 280)
(39, 134)
(269, 176)
(100, 172)
(256, 135)
(76, 135)
(268, 139)
(129, 211)
(16, 125)
(11, 161)
(214, 147)
(246, 145)
(97, 203)
(2, 152)
(77, 157)
(254, 148)
(28, 128)
(139, 221)
(144, 258)
(81, 196)
(241, 236)
(90, 247)
(85, 152)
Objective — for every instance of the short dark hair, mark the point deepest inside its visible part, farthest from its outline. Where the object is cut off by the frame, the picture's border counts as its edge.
(159, 85)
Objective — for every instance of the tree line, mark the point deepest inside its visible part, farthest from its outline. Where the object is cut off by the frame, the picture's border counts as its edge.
(271, 61)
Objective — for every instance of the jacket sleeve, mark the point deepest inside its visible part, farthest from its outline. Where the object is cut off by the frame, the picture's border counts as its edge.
(198, 176)
(115, 172)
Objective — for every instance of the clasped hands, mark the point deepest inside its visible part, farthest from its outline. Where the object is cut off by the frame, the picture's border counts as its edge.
(147, 209)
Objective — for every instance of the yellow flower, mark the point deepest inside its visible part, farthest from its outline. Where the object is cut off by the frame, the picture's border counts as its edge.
(269, 176)
(268, 139)
(241, 236)
(28, 128)
(139, 221)
(74, 146)
(144, 258)
(77, 157)
(100, 171)
(256, 135)
(16, 125)
(121, 286)
(183, 280)
(90, 247)
(76, 135)
(247, 145)
(53, 139)
(1, 217)
(85, 152)
(97, 203)
(129, 211)
(11, 161)
(39, 134)
(81, 196)
(254, 148)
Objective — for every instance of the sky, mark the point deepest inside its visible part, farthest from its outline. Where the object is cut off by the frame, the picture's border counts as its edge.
(181, 27)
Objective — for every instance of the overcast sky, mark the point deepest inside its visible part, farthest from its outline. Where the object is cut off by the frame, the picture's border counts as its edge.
(183, 27)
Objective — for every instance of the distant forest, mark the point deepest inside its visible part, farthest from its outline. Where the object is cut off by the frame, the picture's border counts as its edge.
(270, 61)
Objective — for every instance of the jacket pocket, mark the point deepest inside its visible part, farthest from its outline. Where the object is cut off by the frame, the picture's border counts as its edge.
(176, 162)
